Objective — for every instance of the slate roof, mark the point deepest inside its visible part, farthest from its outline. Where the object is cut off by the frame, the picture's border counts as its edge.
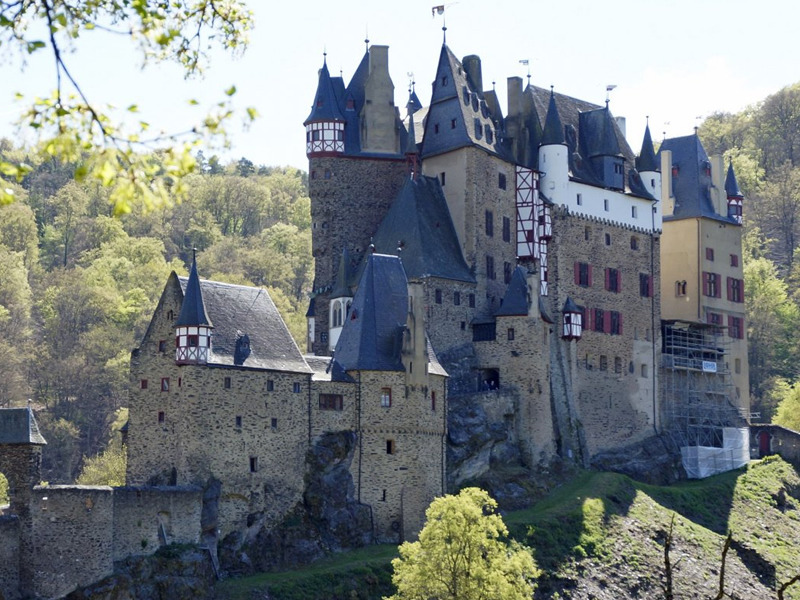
(597, 131)
(553, 132)
(372, 336)
(413, 104)
(691, 185)
(249, 310)
(326, 102)
(19, 426)
(420, 220)
(193, 309)
(312, 306)
(454, 100)
(340, 287)
(646, 161)
(515, 301)
(731, 185)
(530, 133)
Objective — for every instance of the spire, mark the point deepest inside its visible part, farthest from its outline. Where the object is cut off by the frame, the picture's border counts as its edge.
(553, 129)
(647, 157)
(193, 309)
(341, 289)
(731, 185)
(326, 106)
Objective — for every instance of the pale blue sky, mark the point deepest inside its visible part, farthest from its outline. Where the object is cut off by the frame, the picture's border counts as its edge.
(674, 61)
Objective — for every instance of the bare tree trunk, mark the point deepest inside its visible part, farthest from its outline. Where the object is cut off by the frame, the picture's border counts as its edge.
(721, 593)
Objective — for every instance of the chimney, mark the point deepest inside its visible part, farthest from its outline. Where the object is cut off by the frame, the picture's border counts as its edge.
(472, 65)
(621, 123)
(514, 89)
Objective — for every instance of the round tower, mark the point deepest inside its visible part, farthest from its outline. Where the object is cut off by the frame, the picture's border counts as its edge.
(325, 123)
(648, 167)
(553, 159)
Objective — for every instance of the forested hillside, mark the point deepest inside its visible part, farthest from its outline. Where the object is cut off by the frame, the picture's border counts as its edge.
(78, 286)
(764, 143)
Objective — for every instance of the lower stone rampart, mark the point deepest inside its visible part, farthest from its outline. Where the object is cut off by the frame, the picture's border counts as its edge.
(9, 557)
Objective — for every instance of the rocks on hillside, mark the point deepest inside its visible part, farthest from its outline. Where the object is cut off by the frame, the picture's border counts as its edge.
(328, 519)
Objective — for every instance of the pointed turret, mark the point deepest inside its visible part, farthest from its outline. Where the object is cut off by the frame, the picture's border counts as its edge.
(193, 327)
(553, 128)
(646, 161)
(735, 195)
(325, 123)
(413, 104)
(341, 299)
(517, 299)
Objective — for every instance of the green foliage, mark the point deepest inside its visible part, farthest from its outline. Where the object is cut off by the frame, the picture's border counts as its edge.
(107, 468)
(76, 130)
(3, 489)
(788, 413)
(462, 554)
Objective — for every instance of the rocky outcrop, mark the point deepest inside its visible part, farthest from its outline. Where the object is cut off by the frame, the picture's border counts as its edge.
(328, 519)
(650, 461)
(172, 573)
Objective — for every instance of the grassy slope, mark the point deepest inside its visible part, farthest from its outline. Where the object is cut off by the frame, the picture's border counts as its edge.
(602, 536)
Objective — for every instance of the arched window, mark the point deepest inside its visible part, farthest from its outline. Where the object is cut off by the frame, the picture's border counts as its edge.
(336, 314)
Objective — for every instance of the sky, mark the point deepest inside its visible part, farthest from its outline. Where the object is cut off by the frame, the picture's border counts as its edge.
(676, 62)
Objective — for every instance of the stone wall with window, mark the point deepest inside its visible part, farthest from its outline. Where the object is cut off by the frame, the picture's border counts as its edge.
(616, 283)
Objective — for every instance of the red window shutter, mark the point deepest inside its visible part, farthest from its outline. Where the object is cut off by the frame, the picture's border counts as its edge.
(590, 275)
(608, 278)
(607, 321)
(577, 273)
(705, 283)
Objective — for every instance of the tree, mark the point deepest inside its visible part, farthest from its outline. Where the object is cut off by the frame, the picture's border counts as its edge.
(462, 555)
(77, 130)
(788, 413)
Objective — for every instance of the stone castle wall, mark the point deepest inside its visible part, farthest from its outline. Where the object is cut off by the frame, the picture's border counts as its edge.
(9, 557)
(350, 197)
(72, 537)
(612, 376)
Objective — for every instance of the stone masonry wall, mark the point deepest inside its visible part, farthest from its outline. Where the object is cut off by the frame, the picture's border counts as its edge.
(349, 198)
(258, 420)
(72, 534)
(612, 375)
(9, 557)
(400, 480)
(141, 512)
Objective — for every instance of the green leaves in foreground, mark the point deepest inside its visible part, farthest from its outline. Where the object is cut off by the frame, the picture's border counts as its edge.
(462, 554)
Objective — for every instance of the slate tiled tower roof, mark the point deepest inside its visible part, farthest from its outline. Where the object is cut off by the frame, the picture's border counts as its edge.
(731, 185)
(193, 309)
(19, 426)
(646, 161)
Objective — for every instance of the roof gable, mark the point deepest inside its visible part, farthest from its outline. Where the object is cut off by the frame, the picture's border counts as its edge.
(240, 310)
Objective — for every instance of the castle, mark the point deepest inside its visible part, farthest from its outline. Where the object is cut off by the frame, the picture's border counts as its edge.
(530, 263)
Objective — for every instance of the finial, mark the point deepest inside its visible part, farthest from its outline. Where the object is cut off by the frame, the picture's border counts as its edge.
(371, 246)
(493, 86)
(194, 254)
(552, 93)
(444, 34)
(366, 36)
(647, 120)
(399, 246)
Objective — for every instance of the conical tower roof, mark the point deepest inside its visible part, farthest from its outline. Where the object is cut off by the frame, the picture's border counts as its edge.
(341, 290)
(553, 128)
(647, 157)
(515, 301)
(731, 185)
(326, 105)
(193, 309)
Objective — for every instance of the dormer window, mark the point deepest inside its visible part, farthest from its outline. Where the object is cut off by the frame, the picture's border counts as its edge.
(351, 104)
(444, 80)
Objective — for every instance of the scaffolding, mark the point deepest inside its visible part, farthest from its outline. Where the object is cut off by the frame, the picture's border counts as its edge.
(699, 408)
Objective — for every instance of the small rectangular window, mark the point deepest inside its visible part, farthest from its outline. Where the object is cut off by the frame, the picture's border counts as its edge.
(645, 285)
(606, 206)
(390, 449)
(616, 323)
(472, 300)
(386, 397)
(510, 334)
(583, 274)
(270, 385)
(608, 239)
(587, 233)
(599, 320)
(490, 273)
(634, 242)
(383, 496)
(165, 384)
(501, 181)
(442, 177)
(489, 223)
(433, 400)
(612, 280)
(457, 298)
(273, 423)
(162, 346)
(143, 384)
(238, 422)
(634, 212)
(227, 383)
(253, 464)
(603, 363)
(438, 296)
(331, 402)
(161, 416)
(617, 364)
(506, 229)
(734, 260)
(296, 387)
(580, 200)
(452, 123)
(710, 254)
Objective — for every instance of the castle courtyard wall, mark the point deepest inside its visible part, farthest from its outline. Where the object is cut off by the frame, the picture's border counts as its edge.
(9, 557)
